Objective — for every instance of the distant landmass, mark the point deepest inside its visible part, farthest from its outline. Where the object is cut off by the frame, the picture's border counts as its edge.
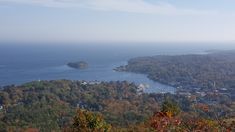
(215, 70)
(78, 65)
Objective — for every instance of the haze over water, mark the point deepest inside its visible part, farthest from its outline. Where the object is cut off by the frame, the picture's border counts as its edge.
(24, 63)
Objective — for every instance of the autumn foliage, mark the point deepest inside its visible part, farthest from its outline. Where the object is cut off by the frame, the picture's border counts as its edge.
(85, 121)
(166, 120)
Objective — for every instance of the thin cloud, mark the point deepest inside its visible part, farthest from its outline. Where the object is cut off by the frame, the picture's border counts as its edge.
(131, 6)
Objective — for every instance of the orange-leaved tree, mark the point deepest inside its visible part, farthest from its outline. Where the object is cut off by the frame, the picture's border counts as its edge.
(86, 121)
(166, 119)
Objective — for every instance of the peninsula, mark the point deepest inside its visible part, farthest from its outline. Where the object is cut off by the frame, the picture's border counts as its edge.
(214, 70)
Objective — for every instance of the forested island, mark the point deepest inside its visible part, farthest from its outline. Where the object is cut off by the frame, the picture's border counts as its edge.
(78, 65)
(117, 106)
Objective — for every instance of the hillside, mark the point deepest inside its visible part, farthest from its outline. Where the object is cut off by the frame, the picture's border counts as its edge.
(51, 106)
(215, 70)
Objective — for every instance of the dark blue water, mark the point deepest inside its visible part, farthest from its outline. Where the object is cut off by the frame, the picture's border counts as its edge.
(25, 63)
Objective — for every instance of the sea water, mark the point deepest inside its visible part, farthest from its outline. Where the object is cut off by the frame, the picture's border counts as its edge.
(24, 63)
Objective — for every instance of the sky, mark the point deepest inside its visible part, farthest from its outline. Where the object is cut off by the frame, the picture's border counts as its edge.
(117, 21)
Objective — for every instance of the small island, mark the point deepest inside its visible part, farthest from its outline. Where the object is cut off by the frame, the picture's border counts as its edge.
(78, 65)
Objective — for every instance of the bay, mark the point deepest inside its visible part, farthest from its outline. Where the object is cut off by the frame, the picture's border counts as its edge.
(24, 63)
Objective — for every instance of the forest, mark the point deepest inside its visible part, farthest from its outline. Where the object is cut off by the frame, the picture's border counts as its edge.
(214, 70)
(73, 106)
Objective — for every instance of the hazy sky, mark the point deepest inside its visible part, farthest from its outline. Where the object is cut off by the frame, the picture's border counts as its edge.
(117, 20)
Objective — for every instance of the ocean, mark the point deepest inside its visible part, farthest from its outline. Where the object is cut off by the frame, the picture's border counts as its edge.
(21, 63)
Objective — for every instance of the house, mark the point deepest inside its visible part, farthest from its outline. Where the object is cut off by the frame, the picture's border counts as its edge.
(185, 93)
(202, 94)
(84, 83)
(1, 107)
(94, 82)
(141, 88)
